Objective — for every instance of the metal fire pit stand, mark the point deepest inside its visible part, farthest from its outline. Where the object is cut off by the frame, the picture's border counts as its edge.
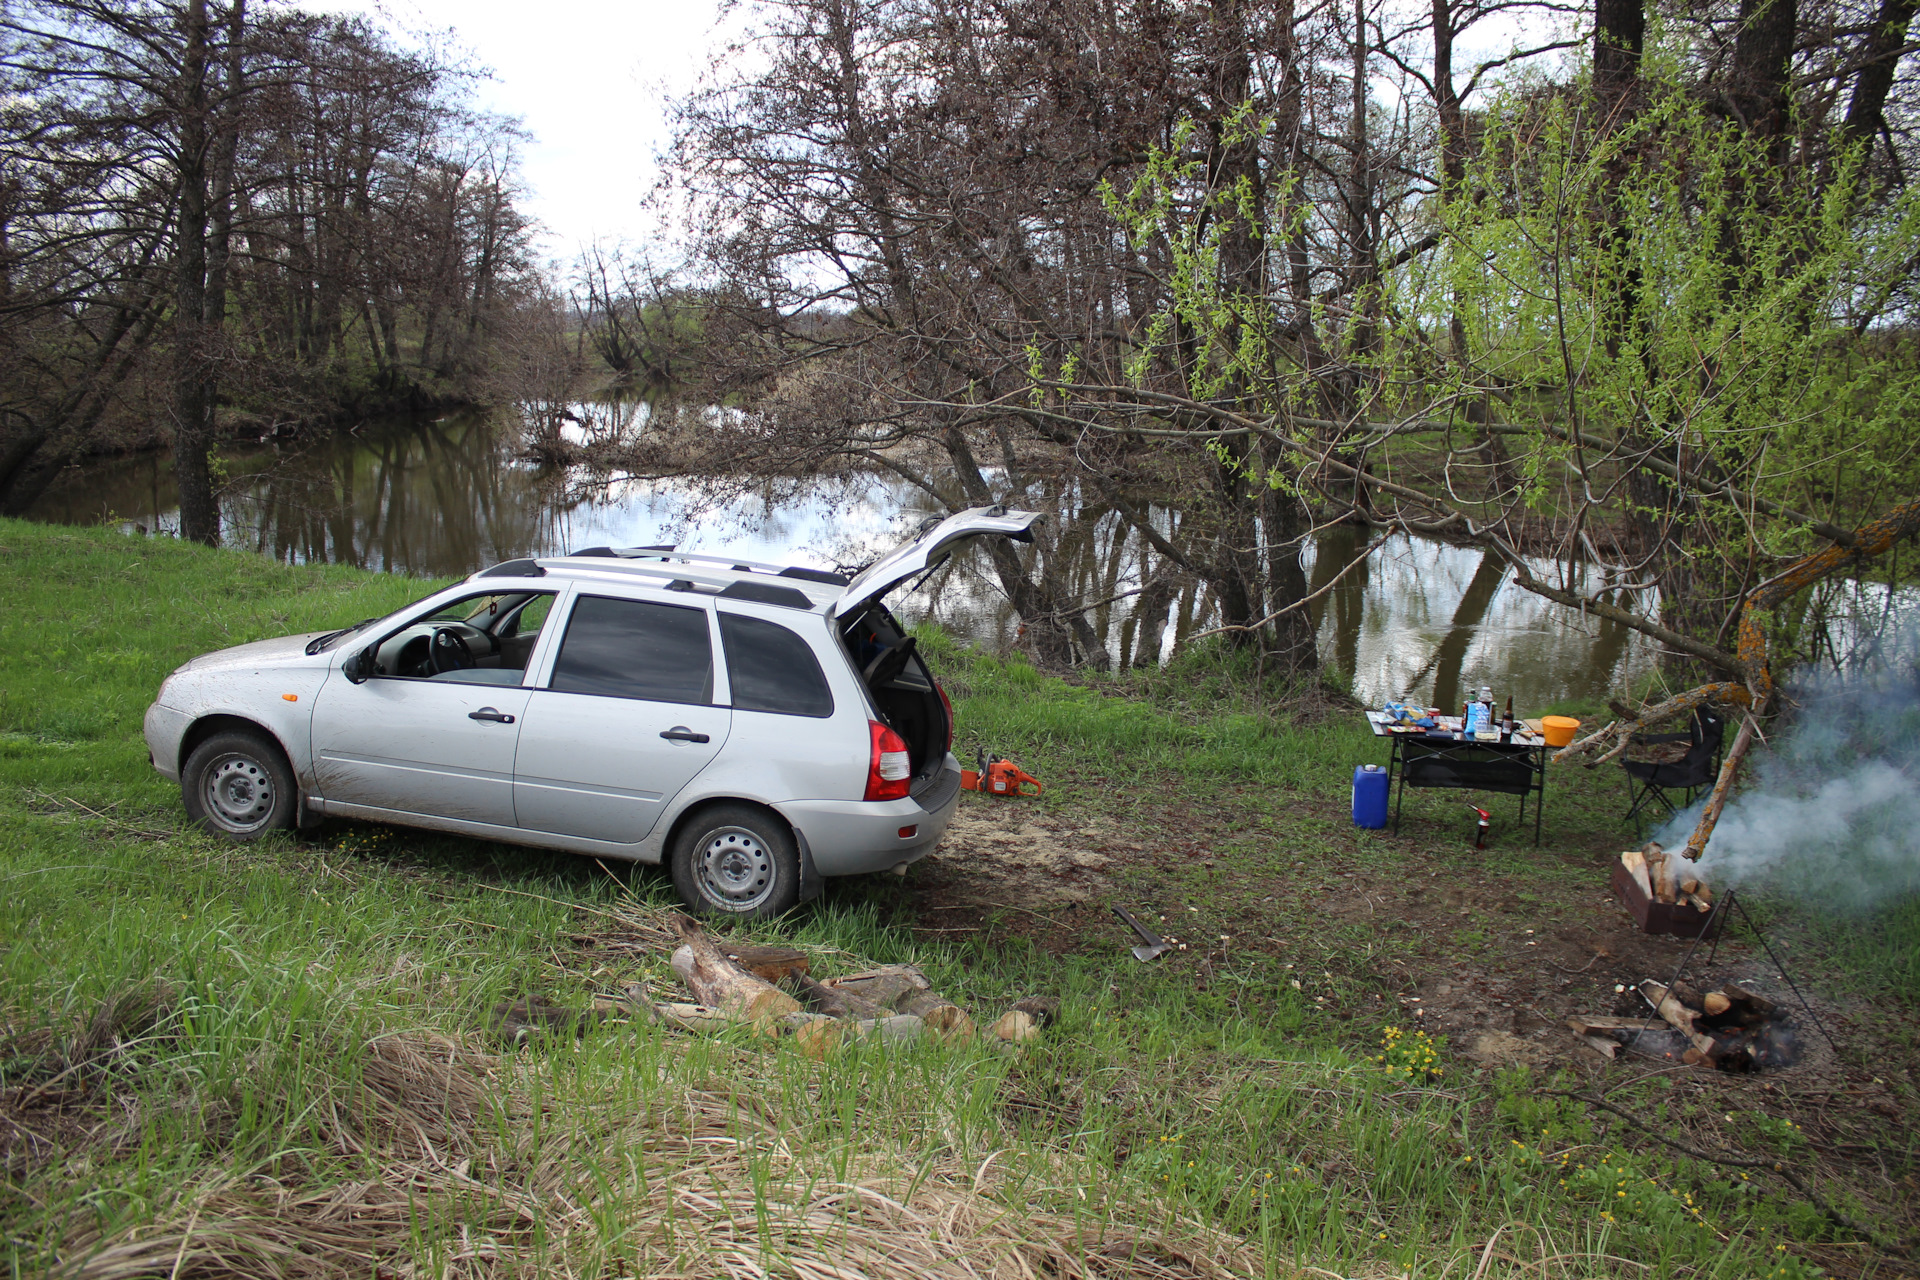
(1716, 928)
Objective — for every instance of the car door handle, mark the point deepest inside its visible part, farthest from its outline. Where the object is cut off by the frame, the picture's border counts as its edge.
(488, 713)
(680, 733)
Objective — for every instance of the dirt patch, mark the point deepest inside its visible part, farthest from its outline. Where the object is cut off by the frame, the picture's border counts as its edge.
(1000, 853)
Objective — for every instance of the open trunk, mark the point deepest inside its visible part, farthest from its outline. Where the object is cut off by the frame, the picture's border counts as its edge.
(903, 690)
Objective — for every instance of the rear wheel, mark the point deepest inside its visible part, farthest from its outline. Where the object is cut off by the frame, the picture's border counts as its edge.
(736, 860)
(238, 785)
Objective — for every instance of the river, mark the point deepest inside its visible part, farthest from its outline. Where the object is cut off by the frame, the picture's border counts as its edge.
(446, 497)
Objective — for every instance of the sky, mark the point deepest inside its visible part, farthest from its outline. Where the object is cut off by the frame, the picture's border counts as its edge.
(589, 79)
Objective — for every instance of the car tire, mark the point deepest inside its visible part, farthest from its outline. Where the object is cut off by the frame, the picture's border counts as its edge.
(735, 860)
(238, 785)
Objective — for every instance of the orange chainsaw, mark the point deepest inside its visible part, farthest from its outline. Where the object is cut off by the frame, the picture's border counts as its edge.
(1001, 778)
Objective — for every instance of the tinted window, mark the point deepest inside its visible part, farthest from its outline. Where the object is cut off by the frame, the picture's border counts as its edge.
(630, 649)
(772, 669)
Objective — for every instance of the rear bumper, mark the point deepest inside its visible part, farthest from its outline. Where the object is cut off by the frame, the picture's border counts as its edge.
(164, 728)
(856, 837)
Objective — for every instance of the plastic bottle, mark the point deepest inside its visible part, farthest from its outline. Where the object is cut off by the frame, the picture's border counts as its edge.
(1370, 796)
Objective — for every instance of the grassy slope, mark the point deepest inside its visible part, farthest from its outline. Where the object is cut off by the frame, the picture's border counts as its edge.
(303, 978)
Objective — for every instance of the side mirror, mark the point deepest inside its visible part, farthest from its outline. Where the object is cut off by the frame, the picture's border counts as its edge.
(359, 667)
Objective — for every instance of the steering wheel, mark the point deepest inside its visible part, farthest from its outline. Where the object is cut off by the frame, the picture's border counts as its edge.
(449, 651)
(890, 662)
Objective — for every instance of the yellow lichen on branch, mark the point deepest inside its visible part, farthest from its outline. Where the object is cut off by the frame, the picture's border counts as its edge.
(1873, 539)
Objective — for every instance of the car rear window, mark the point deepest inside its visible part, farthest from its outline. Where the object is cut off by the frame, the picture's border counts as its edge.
(632, 649)
(772, 669)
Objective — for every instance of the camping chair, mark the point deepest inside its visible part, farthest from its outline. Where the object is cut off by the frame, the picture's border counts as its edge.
(1649, 781)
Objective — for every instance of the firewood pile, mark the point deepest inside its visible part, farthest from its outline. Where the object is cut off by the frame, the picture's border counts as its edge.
(1729, 1028)
(1666, 879)
(772, 990)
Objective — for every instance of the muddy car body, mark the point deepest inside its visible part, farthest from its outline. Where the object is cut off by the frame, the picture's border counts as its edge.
(756, 726)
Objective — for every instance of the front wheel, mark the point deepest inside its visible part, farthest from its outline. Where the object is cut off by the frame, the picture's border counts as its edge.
(738, 861)
(238, 785)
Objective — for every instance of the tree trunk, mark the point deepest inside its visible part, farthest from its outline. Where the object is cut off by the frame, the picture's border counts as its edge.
(192, 372)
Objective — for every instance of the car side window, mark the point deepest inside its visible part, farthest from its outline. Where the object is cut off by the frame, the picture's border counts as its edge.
(769, 668)
(634, 649)
(527, 622)
(484, 649)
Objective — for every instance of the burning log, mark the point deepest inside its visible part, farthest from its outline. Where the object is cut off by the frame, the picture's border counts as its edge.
(1680, 1018)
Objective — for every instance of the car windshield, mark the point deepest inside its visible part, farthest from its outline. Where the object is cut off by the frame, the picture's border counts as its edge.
(334, 639)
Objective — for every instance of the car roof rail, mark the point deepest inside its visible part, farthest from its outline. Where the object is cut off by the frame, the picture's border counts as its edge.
(732, 562)
(675, 576)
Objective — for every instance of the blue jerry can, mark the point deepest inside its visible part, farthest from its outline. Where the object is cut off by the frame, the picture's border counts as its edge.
(1370, 796)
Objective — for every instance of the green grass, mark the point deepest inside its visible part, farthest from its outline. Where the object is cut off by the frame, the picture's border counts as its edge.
(320, 998)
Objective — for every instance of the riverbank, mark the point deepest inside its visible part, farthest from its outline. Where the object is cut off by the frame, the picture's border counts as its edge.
(302, 1082)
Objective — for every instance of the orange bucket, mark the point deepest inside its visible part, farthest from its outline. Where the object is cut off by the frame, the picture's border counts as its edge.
(1558, 730)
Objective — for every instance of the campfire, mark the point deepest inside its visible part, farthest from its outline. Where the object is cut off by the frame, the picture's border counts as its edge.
(1729, 1028)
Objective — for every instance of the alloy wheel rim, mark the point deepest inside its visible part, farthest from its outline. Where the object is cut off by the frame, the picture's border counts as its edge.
(239, 793)
(736, 870)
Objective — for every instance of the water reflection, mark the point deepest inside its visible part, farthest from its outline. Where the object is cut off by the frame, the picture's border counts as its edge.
(444, 498)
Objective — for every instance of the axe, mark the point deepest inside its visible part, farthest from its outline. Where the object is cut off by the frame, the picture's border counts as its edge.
(1152, 943)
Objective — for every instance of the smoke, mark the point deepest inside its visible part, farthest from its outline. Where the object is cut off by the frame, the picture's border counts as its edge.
(1830, 811)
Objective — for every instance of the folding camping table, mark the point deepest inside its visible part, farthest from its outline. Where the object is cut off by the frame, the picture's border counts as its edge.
(1442, 759)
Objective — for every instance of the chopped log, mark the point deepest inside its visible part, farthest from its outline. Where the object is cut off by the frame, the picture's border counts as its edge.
(822, 998)
(1042, 1009)
(884, 986)
(1652, 849)
(823, 1035)
(1636, 864)
(1715, 1003)
(1677, 1016)
(1607, 1047)
(944, 1018)
(1697, 902)
(769, 964)
(1016, 1026)
(721, 983)
(1660, 874)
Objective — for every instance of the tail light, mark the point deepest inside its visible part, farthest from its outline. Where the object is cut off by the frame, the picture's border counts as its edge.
(889, 769)
(946, 702)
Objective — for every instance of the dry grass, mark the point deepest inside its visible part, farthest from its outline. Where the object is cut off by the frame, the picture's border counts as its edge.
(636, 1154)
(467, 1171)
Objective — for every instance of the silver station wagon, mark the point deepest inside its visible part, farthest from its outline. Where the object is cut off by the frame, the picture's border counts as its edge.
(756, 726)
